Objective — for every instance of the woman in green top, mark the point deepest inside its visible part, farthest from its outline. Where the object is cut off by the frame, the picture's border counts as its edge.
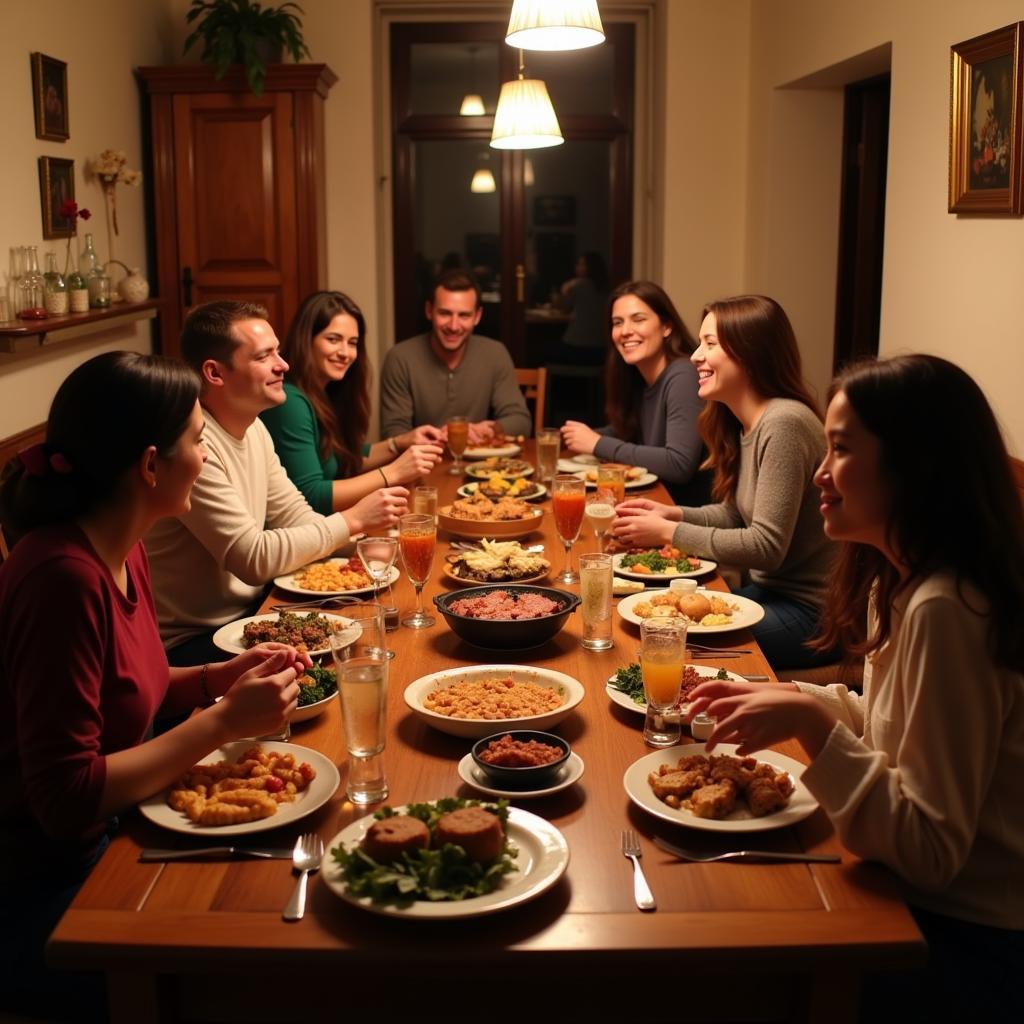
(319, 432)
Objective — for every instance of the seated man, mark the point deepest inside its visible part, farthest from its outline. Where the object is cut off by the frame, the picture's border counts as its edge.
(450, 371)
(247, 522)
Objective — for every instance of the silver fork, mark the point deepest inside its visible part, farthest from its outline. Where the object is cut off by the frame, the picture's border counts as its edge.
(322, 602)
(306, 857)
(641, 890)
(708, 858)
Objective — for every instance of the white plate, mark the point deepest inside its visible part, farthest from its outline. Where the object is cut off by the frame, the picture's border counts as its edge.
(320, 790)
(570, 772)
(505, 451)
(229, 637)
(702, 570)
(631, 485)
(477, 728)
(539, 492)
(287, 582)
(801, 804)
(747, 613)
(543, 858)
(624, 700)
(577, 463)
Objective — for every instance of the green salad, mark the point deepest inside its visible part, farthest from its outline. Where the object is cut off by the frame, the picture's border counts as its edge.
(445, 874)
(630, 681)
(322, 685)
(661, 562)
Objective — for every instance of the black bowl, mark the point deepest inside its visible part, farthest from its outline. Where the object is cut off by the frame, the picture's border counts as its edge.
(507, 634)
(526, 778)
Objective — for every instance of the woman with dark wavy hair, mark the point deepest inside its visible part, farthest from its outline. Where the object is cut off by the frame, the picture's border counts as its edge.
(650, 393)
(925, 773)
(82, 668)
(764, 438)
(319, 431)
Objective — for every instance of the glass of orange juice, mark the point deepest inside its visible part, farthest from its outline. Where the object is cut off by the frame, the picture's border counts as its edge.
(662, 655)
(568, 498)
(612, 478)
(458, 438)
(417, 537)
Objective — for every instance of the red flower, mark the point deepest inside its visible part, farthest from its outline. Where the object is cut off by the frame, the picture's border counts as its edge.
(84, 213)
(69, 211)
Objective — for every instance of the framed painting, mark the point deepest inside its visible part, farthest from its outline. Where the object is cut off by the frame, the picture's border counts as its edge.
(985, 130)
(56, 185)
(554, 211)
(50, 97)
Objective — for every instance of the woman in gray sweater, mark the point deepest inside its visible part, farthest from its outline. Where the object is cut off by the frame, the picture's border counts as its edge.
(764, 434)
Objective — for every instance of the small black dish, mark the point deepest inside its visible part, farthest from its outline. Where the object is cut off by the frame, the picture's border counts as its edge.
(526, 778)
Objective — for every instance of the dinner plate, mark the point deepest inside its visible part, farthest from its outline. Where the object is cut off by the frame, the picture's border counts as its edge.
(624, 700)
(542, 860)
(229, 637)
(480, 471)
(472, 774)
(631, 485)
(319, 791)
(801, 804)
(446, 568)
(287, 581)
(504, 451)
(747, 613)
(497, 529)
(577, 463)
(702, 570)
(534, 493)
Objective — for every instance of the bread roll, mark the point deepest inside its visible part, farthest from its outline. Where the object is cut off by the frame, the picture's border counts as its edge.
(695, 606)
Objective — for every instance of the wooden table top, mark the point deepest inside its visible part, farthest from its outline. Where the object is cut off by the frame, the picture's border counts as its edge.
(825, 923)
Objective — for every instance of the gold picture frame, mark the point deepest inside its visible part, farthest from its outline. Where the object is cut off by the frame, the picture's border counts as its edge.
(50, 98)
(985, 127)
(56, 184)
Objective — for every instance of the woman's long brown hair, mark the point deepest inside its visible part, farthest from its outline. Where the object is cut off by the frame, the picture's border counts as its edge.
(342, 408)
(754, 331)
(953, 504)
(624, 386)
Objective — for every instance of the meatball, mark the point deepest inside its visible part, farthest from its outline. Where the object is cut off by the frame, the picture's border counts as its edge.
(387, 839)
(475, 829)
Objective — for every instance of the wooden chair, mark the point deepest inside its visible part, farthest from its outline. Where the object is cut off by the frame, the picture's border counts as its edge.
(534, 384)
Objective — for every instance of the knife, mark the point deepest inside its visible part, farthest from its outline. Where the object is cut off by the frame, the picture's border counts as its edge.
(282, 853)
(810, 858)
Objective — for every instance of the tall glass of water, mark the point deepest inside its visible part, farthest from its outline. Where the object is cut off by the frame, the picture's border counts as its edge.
(378, 556)
(596, 607)
(549, 444)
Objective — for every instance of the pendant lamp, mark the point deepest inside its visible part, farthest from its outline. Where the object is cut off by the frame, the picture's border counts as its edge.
(525, 118)
(554, 25)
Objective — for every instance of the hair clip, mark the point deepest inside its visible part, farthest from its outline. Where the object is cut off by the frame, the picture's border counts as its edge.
(37, 462)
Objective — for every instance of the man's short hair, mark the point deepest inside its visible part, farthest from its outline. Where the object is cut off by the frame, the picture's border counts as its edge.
(206, 333)
(456, 280)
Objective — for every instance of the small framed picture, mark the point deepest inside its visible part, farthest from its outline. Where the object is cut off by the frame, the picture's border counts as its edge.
(56, 186)
(985, 129)
(50, 98)
(554, 211)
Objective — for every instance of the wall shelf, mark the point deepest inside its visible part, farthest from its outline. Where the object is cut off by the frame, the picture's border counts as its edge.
(25, 335)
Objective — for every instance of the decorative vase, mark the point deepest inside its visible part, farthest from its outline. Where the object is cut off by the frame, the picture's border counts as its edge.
(134, 287)
(56, 295)
(78, 293)
(31, 289)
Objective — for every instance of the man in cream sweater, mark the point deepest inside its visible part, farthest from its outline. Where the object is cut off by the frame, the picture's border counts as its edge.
(247, 522)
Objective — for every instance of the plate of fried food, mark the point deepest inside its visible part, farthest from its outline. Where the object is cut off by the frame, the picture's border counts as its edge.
(331, 577)
(447, 858)
(479, 516)
(245, 787)
(494, 450)
(636, 476)
(626, 687)
(305, 631)
(664, 563)
(496, 562)
(496, 487)
(721, 792)
(512, 469)
(707, 611)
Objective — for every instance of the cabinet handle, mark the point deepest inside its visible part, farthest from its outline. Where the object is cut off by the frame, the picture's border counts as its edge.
(186, 284)
(520, 282)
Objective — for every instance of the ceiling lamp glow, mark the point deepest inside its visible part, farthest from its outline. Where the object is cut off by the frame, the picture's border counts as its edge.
(525, 118)
(483, 181)
(472, 105)
(554, 25)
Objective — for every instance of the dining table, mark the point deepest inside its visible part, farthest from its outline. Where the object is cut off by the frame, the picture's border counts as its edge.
(204, 940)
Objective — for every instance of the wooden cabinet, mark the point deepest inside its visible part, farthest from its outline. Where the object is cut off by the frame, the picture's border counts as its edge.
(236, 189)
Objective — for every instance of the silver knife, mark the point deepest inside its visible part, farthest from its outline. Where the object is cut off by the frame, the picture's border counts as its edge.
(283, 853)
(809, 858)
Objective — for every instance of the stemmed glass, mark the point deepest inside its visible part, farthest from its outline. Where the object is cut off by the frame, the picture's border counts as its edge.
(601, 513)
(568, 494)
(378, 555)
(458, 438)
(417, 535)
(662, 653)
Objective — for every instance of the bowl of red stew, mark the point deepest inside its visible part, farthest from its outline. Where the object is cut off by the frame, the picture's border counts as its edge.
(521, 758)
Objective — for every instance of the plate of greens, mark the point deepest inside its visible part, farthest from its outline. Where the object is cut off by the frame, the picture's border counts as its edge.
(661, 564)
(626, 687)
(445, 883)
(317, 687)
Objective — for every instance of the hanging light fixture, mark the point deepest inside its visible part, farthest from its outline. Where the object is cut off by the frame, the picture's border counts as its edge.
(529, 178)
(472, 102)
(554, 25)
(483, 181)
(525, 118)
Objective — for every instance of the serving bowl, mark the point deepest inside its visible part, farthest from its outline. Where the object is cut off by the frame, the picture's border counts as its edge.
(478, 528)
(506, 634)
(524, 777)
(476, 728)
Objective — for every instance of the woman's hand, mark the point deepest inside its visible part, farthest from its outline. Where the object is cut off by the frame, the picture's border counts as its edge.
(642, 523)
(579, 438)
(223, 676)
(416, 461)
(262, 698)
(377, 510)
(644, 506)
(421, 435)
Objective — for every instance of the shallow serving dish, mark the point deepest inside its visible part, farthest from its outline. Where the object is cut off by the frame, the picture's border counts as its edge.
(496, 528)
(476, 728)
(526, 777)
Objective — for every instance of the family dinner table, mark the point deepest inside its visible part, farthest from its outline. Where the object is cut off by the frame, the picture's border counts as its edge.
(205, 940)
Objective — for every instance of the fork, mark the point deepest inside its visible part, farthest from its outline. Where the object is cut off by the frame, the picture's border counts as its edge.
(641, 890)
(321, 602)
(690, 646)
(306, 857)
(708, 858)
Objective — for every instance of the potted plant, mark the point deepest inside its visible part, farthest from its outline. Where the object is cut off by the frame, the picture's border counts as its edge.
(245, 32)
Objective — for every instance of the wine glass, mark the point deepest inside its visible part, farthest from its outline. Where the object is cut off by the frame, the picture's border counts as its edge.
(417, 536)
(600, 511)
(662, 653)
(568, 494)
(378, 555)
(458, 438)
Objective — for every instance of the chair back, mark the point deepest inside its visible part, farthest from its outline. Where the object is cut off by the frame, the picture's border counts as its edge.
(534, 385)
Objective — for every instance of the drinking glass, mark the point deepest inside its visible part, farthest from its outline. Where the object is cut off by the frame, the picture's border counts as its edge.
(378, 555)
(596, 607)
(424, 501)
(362, 669)
(417, 535)
(612, 478)
(662, 653)
(549, 445)
(568, 495)
(600, 511)
(458, 437)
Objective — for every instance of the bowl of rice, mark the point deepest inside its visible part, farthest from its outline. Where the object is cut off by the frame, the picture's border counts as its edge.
(478, 700)
(506, 617)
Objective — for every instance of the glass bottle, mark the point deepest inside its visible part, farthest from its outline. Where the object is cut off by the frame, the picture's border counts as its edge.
(31, 289)
(14, 277)
(78, 293)
(56, 298)
(99, 291)
(88, 261)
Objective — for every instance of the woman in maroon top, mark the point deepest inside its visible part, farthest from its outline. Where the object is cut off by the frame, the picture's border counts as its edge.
(82, 669)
